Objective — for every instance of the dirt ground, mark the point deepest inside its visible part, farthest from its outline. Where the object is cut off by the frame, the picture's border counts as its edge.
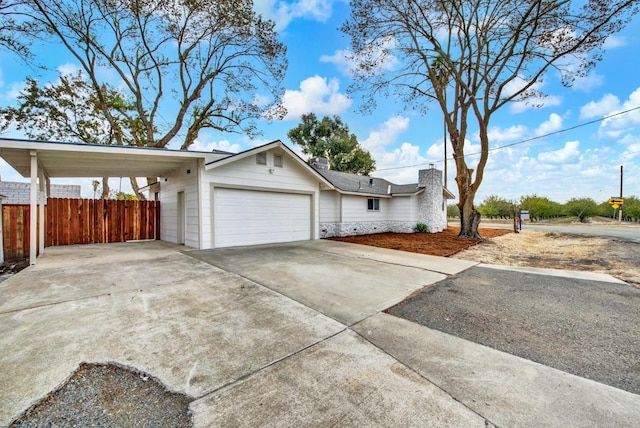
(444, 244)
(528, 248)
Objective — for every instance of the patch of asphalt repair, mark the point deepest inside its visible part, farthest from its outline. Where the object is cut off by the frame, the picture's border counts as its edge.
(587, 328)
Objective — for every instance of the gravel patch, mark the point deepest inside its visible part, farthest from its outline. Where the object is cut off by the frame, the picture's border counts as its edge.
(108, 395)
(586, 328)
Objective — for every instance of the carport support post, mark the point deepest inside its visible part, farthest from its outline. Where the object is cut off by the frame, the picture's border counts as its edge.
(41, 223)
(33, 214)
(1, 236)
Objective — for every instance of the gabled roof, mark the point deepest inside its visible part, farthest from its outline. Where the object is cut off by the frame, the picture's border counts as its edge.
(269, 146)
(360, 184)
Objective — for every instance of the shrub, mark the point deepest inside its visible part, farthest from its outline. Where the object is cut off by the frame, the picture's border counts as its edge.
(422, 228)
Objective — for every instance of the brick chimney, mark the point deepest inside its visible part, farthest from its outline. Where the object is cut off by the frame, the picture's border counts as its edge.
(431, 208)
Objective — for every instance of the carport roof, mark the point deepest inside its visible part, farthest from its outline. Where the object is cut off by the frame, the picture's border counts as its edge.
(60, 159)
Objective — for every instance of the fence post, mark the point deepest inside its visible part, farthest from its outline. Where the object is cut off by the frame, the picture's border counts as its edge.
(1, 234)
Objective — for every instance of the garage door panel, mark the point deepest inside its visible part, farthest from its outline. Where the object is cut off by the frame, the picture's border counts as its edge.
(248, 217)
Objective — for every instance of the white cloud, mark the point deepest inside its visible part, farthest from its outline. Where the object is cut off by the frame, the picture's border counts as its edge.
(386, 134)
(14, 90)
(339, 59)
(282, 13)
(614, 41)
(379, 53)
(498, 135)
(68, 68)
(605, 106)
(568, 154)
(619, 125)
(532, 101)
(316, 95)
(587, 83)
(553, 124)
(224, 145)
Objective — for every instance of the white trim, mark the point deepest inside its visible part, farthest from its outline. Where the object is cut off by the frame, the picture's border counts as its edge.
(199, 199)
(100, 148)
(33, 215)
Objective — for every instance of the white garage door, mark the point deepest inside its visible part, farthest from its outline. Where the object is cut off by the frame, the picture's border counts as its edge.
(249, 217)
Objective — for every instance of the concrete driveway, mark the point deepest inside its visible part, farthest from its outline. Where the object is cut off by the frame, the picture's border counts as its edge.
(282, 335)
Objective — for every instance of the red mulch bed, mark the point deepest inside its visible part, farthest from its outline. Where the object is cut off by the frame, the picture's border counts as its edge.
(443, 244)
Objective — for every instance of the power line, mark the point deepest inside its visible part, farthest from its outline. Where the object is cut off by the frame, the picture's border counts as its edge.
(580, 125)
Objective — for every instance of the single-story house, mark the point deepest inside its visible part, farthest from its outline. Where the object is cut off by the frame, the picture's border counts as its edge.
(359, 205)
(267, 194)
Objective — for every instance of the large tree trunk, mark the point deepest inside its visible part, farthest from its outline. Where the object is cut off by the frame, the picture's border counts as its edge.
(469, 216)
(469, 219)
(105, 188)
(136, 189)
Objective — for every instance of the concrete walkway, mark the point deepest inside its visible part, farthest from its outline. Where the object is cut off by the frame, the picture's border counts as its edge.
(284, 335)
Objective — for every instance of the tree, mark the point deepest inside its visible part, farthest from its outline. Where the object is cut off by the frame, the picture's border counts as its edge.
(631, 208)
(453, 211)
(178, 66)
(329, 138)
(581, 208)
(495, 206)
(14, 30)
(472, 58)
(540, 207)
(68, 110)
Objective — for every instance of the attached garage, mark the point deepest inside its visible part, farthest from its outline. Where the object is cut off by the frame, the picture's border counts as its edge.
(251, 217)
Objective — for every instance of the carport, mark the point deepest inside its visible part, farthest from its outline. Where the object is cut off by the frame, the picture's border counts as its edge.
(40, 161)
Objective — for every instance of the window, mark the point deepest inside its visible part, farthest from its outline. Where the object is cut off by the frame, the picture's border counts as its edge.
(261, 158)
(277, 161)
(373, 204)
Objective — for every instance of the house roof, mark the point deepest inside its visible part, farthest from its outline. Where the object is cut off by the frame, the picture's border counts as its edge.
(269, 146)
(59, 159)
(353, 183)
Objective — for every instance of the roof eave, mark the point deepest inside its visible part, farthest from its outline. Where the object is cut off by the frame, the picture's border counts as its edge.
(269, 146)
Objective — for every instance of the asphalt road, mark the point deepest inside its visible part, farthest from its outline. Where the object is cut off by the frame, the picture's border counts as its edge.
(625, 232)
(587, 328)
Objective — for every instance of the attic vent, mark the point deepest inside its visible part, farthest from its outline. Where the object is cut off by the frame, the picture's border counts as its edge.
(320, 163)
(371, 182)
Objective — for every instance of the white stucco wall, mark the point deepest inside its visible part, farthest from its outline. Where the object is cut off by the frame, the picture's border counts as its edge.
(183, 179)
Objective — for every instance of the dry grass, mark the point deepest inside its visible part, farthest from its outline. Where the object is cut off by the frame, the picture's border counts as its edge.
(558, 251)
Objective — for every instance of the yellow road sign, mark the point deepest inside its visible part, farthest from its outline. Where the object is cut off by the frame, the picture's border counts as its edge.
(615, 206)
(616, 201)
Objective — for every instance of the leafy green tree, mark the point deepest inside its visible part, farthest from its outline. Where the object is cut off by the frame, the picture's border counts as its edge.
(540, 207)
(180, 66)
(631, 208)
(329, 138)
(14, 30)
(605, 209)
(494, 206)
(453, 211)
(582, 208)
(474, 57)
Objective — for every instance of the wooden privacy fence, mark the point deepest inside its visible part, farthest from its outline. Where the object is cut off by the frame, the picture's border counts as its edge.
(15, 231)
(99, 221)
(81, 221)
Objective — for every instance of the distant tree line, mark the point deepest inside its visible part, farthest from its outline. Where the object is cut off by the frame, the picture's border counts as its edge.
(542, 208)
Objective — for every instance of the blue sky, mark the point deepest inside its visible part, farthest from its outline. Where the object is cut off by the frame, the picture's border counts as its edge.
(584, 162)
